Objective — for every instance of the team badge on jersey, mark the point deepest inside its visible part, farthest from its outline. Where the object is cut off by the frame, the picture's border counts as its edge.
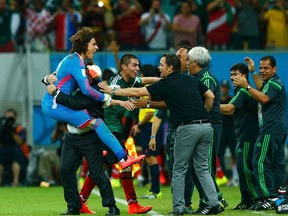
(83, 72)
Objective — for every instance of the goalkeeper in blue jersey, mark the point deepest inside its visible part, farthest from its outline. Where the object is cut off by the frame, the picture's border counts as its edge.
(71, 75)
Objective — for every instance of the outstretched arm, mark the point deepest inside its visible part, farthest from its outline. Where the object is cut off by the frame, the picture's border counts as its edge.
(129, 92)
(149, 80)
(144, 103)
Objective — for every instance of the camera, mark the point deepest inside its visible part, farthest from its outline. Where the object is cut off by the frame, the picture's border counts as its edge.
(6, 124)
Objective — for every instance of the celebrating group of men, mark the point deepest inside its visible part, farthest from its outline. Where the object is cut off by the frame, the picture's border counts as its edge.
(193, 100)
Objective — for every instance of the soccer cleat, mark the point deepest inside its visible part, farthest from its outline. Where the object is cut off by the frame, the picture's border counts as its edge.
(136, 208)
(268, 204)
(71, 211)
(130, 161)
(223, 202)
(113, 210)
(202, 206)
(188, 210)
(151, 195)
(213, 210)
(242, 206)
(256, 204)
(85, 209)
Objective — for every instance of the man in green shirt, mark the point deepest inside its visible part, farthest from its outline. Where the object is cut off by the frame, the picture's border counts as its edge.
(268, 158)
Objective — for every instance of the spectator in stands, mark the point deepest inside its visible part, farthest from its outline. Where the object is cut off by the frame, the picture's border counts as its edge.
(187, 26)
(53, 5)
(14, 151)
(197, 7)
(248, 25)
(9, 25)
(49, 161)
(37, 24)
(127, 30)
(99, 16)
(155, 25)
(66, 23)
(221, 20)
(276, 16)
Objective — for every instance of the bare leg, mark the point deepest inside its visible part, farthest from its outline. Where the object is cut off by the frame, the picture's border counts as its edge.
(16, 173)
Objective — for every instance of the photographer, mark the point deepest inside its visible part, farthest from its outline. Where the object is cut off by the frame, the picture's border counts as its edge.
(49, 161)
(14, 151)
(155, 25)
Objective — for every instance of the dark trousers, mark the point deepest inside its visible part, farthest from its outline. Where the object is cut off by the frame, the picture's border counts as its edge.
(228, 139)
(74, 148)
(189, 185)
(269, 164)
(244, 163)
(214, 145)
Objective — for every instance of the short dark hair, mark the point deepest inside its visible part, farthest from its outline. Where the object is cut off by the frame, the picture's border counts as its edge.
(243, 69)
(186, 47)
(172, 59)
(187, 2)
(10, 110)
(107, 74)
(184, 43)
(148, 70)
(271, 59)
(126, 59)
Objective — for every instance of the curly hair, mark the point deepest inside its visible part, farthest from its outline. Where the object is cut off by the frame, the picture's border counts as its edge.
(81, 39)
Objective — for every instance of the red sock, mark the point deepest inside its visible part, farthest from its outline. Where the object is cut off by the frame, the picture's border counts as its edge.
(87, 188)
(128, 187)
(84, 169)
(219, 171)
(115, 172)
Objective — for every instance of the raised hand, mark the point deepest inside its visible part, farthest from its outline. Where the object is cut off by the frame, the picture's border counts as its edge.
(250, 63)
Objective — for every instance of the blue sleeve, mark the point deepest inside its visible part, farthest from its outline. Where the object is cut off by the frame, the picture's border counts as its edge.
(83, 82)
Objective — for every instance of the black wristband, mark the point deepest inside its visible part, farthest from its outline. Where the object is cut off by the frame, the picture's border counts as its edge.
(54, 92)
(140, 126)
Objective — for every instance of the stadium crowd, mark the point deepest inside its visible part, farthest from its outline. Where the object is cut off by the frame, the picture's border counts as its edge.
(145, 24)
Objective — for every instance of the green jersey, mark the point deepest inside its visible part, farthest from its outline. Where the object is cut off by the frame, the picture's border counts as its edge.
(113, 115)
(271, 115)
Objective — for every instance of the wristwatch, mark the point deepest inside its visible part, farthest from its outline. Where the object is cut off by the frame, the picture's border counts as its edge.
(248, 88)
(148, 104)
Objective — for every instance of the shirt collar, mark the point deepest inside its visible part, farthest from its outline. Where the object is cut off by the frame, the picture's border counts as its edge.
(173, 74)
(201, 72)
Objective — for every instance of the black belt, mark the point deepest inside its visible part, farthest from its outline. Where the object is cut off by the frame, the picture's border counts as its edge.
(194, 122)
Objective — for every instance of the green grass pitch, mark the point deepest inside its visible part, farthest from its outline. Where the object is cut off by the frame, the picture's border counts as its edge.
(36, 201)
